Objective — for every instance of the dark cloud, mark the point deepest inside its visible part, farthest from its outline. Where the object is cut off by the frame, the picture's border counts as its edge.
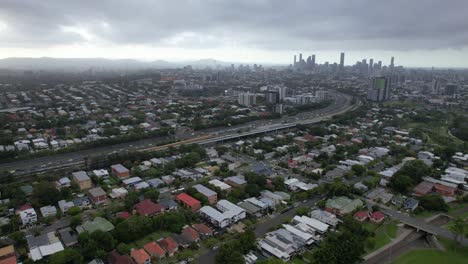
(271, 25)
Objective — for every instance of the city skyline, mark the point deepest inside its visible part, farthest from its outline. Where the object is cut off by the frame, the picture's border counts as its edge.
(240, 32)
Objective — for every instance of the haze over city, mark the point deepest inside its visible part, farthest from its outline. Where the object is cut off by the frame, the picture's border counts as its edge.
(418, 33)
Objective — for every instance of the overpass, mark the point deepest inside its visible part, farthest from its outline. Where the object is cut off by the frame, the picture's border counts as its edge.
(76, 160)
(417, 224)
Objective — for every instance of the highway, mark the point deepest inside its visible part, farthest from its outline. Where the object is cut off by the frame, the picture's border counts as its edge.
(341, 104)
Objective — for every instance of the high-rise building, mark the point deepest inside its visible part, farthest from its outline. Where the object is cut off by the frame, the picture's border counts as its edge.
(451, 89)
(341, 61)
(435, 87)
(392, 61)
(247, 99)
(295, 61)
(272, 97)
(313, 60)
(371, 66)
(380, 89)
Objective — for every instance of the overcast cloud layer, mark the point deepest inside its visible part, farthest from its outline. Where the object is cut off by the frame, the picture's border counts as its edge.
(182, 29)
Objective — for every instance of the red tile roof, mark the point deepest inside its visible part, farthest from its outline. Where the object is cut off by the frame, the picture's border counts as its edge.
(187, 199)
(190, 234)
(147, 207)
(361, 214)
(154, 249)
(25, 207)
(168, 244)
(203, 229)
(124, 215)
(377, 216)
(116, 258)
(140, 256)
(9, 260)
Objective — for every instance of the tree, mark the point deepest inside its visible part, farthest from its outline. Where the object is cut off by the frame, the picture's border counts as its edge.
(433, 202)
(76, 220)
(131, 199)
(358, 170)
(44, 194)
(152, 194)
(409, 175)
(67, 256)
(459, 228)
(105, 240)
(74, 210)
(302, 211)
(123, 248)
(343, 247)
(227, 254)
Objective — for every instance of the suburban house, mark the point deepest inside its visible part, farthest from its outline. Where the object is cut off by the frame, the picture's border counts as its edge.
(361, 216)
(115, 258)
(140, 256)
(377, 217)
(148, 208)
(120, 171)
(169, 245)
(82, 180)
(342, 205)
(154, 250)
(27, 214)
(188, 201)
(236, 181)
(8, 255)
(97, 195)
(211, 195)
(203, 230)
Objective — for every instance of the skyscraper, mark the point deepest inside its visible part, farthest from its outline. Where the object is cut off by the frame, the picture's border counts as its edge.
(341, 61)
(313, 60)
(392, 60)
(295, 61)
(380, 89)
(371, 66)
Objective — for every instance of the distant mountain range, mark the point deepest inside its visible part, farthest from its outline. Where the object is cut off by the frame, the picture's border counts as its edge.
(81, 64)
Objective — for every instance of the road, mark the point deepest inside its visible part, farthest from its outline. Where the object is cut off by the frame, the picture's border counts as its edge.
(341, 104)
(263, 227)
(418, 224)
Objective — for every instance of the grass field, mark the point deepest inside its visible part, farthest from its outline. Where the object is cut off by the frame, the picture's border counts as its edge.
(383, 234)
(453, 255)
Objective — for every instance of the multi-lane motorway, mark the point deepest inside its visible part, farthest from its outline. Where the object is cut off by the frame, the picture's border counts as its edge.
(342, 103)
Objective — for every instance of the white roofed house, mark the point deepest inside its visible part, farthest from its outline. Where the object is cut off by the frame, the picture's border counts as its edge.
(215, 217)
(65, 205)
(48, 210)
(237, 212)
(314, 223)
(27, 215)
(223, 186)
(43, 245)
(455, 175)
(325, 217)
(63, 182)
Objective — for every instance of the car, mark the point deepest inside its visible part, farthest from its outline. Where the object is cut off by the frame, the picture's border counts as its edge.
(215, 247)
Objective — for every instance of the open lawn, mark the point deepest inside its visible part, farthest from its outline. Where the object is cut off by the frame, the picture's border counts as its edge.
(453, 255)
(383, 234)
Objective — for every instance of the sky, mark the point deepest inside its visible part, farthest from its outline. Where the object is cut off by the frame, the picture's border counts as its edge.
(416, 32)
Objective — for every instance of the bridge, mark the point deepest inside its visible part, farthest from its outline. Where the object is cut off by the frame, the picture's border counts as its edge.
(417, 224)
